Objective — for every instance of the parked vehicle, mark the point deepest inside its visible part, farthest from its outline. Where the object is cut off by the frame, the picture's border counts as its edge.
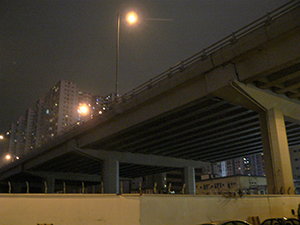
(227, 222)
(281, 221)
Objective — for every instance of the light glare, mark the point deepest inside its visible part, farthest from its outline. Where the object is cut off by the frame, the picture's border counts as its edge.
(131, 17)
(83, 109)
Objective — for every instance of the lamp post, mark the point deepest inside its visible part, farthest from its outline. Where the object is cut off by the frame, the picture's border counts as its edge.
(131, 18)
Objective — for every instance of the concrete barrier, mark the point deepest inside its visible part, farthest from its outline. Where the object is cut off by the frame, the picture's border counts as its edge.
(191, 210)
(90, 209)
(68, 209)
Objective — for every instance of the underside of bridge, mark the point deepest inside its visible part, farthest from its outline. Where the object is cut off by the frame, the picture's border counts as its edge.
(210, 130)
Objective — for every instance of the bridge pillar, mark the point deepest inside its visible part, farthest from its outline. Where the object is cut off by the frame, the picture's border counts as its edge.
(111, 176)
(189, 179)
(50, 182)
(276, 152)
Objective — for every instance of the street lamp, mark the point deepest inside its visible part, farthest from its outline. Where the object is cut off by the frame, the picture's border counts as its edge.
(131, 19)
(8, 157)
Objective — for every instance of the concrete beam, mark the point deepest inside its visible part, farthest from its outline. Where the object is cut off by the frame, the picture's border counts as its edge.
(269, 100)
(142, 159)
(50, 154)
(11, 171)
(273, 110)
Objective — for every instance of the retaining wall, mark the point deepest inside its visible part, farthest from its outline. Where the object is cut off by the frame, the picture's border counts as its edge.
(90, 209)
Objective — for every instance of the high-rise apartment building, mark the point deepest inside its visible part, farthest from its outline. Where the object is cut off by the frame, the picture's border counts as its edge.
(40, 117)
(17, 137)
(61, 108)
(29, 131)
(252, 165)
(61, 105)
(21, 137)
(295, 162)
(13, 138)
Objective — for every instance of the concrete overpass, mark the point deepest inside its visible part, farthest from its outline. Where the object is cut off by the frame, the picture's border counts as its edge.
(238, 97)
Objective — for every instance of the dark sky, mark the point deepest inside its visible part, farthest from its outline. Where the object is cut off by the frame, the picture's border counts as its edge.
(43, 41)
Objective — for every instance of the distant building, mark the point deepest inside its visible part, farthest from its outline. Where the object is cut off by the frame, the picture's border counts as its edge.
(13, 138)
(40, 117)
(29, 131)
(238, 183)
(249, 165)
(295, 161)
(84, 108)
(62, 107)
(97, 105)
(21, 137)
(61, 104)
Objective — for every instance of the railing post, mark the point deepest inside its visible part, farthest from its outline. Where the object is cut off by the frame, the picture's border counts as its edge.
(64, 187)
(169, 188)
(9, 187)
(183, 189)
(27, 185)
(46, 187)
(82, 184)
(140, 187)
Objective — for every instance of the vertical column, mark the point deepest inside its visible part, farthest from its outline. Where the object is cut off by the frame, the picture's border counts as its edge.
(111, 176)
(50, 182)
(189, 179)
(276, 152)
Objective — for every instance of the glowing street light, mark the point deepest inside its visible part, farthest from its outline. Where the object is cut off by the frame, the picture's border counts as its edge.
(1, 137)
(131, 19)
(83, 112)
(8, 157)
(83, 109)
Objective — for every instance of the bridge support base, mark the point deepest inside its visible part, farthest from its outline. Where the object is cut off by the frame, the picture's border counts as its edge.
(111, 176)
(189, 179)
(276, 152)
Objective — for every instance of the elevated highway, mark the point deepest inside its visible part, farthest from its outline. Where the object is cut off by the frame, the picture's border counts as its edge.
(238, 97)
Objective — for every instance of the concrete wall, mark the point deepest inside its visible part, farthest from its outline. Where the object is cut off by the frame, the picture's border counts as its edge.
(68, 209)
(191, 210)
(92, 209)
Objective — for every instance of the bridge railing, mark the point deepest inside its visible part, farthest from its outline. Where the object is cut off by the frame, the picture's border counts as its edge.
(202, 55)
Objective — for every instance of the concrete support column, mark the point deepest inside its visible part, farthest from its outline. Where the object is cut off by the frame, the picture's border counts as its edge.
(189, 180)
(50, 182)
(17, 187)
(111, 176)
(276, 152)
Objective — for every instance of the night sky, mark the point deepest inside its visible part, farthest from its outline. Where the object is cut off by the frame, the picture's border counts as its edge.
(43, 41)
